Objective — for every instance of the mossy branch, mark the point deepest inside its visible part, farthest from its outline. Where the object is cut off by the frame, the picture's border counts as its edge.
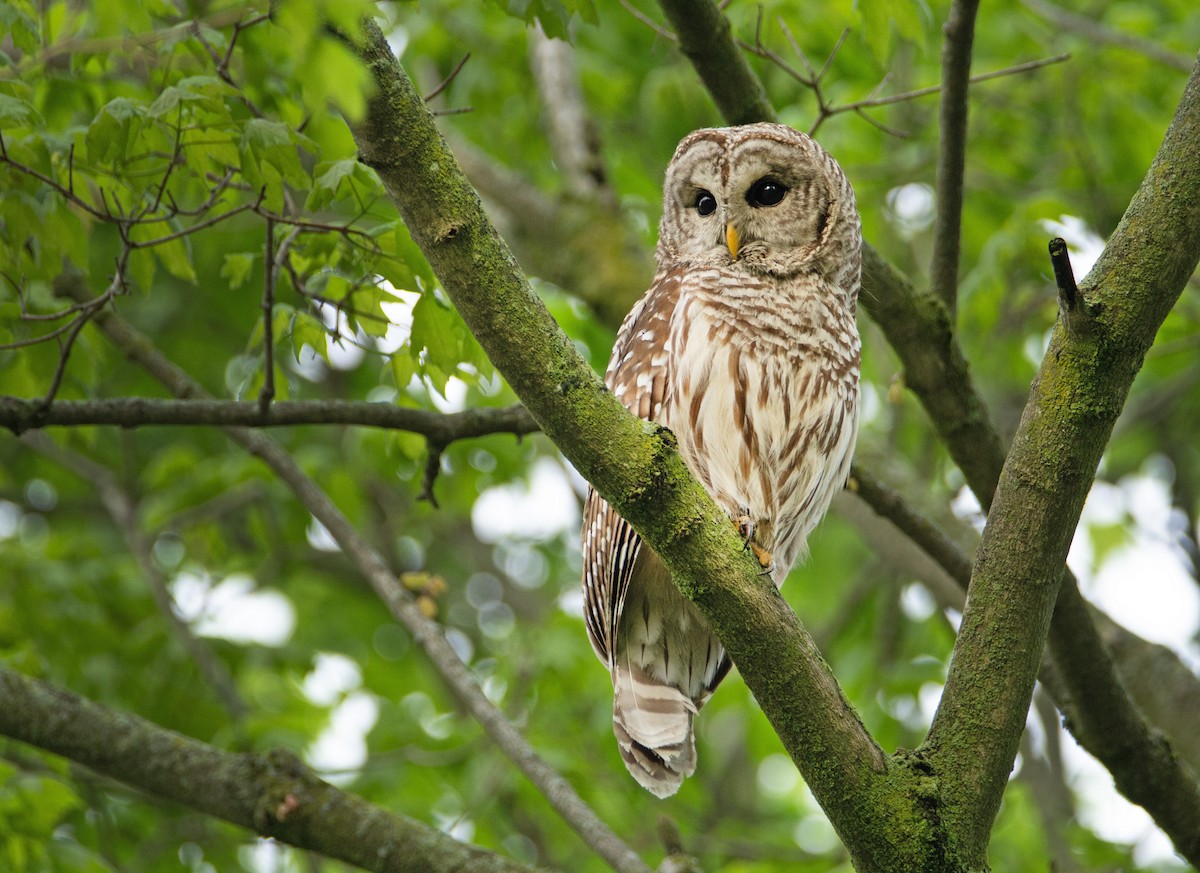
(274, 795)
(1074, 402)
(635, 466)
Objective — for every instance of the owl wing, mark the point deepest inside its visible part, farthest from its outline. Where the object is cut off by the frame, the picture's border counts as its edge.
(639, 375)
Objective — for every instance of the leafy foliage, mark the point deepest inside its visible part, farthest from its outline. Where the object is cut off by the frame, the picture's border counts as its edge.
(195, 172)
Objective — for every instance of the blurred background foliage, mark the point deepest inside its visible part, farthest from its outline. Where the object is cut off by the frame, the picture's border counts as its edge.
(168, 151)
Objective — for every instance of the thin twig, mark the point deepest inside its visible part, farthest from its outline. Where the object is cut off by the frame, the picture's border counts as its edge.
(221, 67)
(267, 394)
(87, 310)
(871, 102)
(833, 54)
(433, 466)
(1064, 275)
(238, 27)
(645, 19)
(176, 154)
(187, 231)
(442, 85)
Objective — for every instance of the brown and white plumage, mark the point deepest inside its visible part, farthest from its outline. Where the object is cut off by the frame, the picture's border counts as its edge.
(745, 346)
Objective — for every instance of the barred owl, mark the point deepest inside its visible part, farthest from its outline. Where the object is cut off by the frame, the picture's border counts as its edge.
(745, 346)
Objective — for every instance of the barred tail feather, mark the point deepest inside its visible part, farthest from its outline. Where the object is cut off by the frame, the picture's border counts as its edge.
(653, 725)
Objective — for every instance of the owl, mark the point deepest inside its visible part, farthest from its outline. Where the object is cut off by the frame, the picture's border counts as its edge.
(746, 347)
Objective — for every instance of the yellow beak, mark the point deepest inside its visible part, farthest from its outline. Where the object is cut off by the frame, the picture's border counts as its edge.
(731, 240)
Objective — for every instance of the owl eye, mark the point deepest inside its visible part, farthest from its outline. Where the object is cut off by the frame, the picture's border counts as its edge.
(766, 192)
(705, 204)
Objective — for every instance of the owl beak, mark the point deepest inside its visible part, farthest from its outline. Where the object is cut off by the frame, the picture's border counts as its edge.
(731, 240)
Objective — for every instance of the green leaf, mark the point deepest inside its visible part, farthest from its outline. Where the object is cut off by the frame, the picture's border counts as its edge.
(368, 312)
(437, 330)
(14, 112)
(327, 185)
(167, 100)
(555, 16)
(307, 330)
(270, 159)
(334, 75)
(174, 253)
(406, 250)
(236, 268)
(403, 367)
(21, 25)
(141, 269)
(113, 130)
(35, 806)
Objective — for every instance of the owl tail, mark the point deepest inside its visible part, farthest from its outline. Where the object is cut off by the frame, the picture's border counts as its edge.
(653, 724)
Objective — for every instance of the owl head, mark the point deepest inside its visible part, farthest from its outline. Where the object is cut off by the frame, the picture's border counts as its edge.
(761, 197)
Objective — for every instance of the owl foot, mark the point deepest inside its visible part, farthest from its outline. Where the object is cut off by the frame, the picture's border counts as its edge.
(745, 527)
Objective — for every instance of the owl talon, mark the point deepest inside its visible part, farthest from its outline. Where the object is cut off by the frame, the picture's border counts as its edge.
(765, 559)
(745, 527)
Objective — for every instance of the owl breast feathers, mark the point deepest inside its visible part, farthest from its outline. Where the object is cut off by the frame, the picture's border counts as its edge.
(745, 346)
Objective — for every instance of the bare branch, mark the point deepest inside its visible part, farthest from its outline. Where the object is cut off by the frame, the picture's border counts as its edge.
(872, 101)
(221, 64)
(927, 536)
(433, 466)
(952, 152)
(445, 83)
(1160, 684)
(20, 415)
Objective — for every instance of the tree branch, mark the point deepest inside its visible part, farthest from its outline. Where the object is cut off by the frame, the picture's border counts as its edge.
(952, 151)
(273, 795)
(19, 415)
(918, 328)
(706, 40)
(1074, 402)
(634, 465)
(1160, 683)
(924, 533)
